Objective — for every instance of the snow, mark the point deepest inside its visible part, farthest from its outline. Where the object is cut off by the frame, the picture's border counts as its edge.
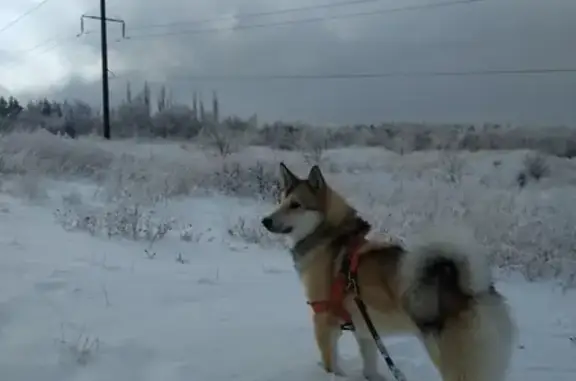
(216, 298)
(85, 308)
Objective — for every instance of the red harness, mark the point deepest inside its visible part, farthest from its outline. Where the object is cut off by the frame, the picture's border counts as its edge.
(341, 285)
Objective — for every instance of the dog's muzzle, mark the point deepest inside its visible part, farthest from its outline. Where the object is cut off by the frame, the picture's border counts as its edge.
(269, 225)
(267, 222)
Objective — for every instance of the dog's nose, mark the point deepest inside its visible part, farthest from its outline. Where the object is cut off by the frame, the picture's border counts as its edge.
(267, 222)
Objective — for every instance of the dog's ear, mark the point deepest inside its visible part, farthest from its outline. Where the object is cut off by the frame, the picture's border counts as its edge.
(316, 179)
(289, 179)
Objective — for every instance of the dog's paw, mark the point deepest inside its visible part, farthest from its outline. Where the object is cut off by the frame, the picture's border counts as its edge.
(374, 376)
(336, 371)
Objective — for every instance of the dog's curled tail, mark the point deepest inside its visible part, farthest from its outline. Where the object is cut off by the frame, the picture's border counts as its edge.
(451, 261)
(448, 291)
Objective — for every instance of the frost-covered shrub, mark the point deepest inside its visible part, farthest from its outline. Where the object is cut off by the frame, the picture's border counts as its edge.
(29, 185)
(536, 166)
(41, 151)
(147, 180)
(191, 233)
(259, 180)
(135, 222)
(81, 350)
(250, 230)
(531, 231)
(131, 221)
(453, 165)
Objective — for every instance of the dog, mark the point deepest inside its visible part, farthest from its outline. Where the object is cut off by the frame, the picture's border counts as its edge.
(439, 290)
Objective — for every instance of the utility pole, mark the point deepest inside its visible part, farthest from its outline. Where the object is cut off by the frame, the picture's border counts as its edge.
(104, 51)
(105, 88)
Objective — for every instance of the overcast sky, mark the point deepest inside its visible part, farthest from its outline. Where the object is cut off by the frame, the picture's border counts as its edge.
(42, 55)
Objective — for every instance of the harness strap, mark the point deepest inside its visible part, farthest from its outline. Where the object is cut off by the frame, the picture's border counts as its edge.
(335, 303)
(341, 286)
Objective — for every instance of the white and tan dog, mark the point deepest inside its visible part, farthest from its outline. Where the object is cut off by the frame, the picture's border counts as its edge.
(440, 291)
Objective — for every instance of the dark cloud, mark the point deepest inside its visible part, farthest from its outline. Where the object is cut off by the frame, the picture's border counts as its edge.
(493, 34)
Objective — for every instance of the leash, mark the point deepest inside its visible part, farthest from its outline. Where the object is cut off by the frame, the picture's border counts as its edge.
(396, 372)
(350, 267)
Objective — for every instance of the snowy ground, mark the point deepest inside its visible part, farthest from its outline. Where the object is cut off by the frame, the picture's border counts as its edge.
(83, 308)
(224, 303)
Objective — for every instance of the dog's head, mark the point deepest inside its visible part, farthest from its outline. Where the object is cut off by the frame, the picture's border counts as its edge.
(305, 204)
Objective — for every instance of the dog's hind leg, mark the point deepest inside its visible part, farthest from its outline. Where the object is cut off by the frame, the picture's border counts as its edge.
(431, 345)
(478, 345)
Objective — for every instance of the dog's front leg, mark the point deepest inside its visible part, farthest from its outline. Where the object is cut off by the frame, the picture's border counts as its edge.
(327, 335)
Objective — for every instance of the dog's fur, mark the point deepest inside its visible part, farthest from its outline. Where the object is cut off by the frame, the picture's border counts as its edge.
(440, 290)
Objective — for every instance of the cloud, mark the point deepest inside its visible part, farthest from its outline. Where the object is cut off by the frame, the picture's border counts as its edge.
(492, 34)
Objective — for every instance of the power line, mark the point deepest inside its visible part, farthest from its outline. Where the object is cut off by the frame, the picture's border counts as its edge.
(312, 19)
(23, 15)
(53, 43)
(48, 45)
(407, 74)
(259, 14)
(38, 45)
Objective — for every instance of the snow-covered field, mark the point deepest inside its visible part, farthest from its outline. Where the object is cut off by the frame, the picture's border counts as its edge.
(125, 261)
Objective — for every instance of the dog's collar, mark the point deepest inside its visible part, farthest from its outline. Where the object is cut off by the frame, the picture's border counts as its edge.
(352, 226)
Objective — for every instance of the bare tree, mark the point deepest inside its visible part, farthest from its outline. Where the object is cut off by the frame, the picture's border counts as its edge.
(218, 138)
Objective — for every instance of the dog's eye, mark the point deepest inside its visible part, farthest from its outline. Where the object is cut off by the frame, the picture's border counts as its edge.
(294, 205)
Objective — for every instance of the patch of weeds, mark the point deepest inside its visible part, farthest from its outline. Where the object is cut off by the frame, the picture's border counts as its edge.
(274, 270)
(180, 259)
(211, 280)
(72, 220)
(130, 221)
(453, 166)
(81, 350)
(535, 166)
(258, 180)
(252, 232)
(72, 198)
(190, 234)
(150, 254)
(29, 186)
(246, 231)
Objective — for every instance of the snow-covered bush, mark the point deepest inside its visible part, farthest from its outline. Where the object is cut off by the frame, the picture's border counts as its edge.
(79, 350)
(531, 230)
(42, 152)
(258, 180)
(191, 234)
(453, 164)
(536, 166)
(29, 186)
(130, 221)
(147, 179)
(250, 230)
